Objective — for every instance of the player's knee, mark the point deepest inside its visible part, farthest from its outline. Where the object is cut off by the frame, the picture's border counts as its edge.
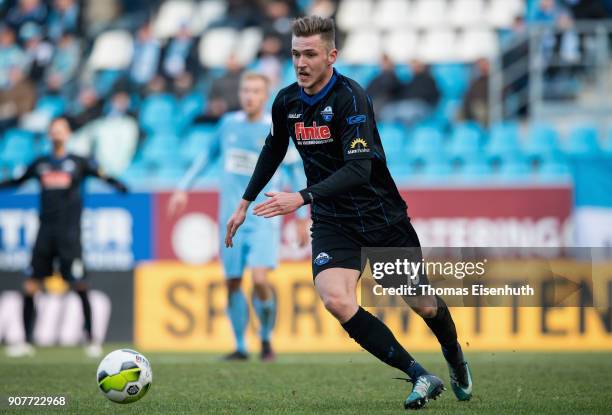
(338, 304)
(234, 284)
(428, 311)
(30, 286)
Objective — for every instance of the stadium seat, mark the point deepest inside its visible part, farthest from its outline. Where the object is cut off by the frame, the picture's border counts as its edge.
(427, 142)
(18, 147)
(53, 105)
(394, 139)
(583, 141)
(400, 45)
(392, 14)
(514, 166)
(501, 13)
(553, 170)
(437, 167)
(504, 140)
(160, 149)
(206, 12)
(542, 141)
(475, 168)
(216, 46)
(171, 16)
(452, 78)
(466, 13)
(198, 139)
(362, 46)
(248, 44)
(465, 143)
(354, 14)
(159, 112)
(429, 14)
(112, 50)
(437, 46)
(477, 43)
(190, 106)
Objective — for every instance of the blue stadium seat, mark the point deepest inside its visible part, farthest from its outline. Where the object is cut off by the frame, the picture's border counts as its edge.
(160, 148)
(197, 139)
(18, 147)
(475, 168)
(466, 141)
(452, 79)
(514, 166)
(437, 167)
(54, 105)
(553, 170)
(190, 107)
(427, 142)
(583, 141)
(159, 113)
(542, 141)
(504, 140)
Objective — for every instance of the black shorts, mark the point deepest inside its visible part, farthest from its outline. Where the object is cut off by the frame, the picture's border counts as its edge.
(61, 243)
(335, 246)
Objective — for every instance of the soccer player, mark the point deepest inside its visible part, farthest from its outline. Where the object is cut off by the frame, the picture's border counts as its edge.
(354, 203)
(238, 141)
(61, 176)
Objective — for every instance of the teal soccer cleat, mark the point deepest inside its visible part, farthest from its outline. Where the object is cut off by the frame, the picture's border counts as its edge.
(426, 387)
(461, 381)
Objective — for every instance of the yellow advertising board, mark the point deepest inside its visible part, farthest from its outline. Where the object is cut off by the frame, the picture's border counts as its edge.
(181, 307)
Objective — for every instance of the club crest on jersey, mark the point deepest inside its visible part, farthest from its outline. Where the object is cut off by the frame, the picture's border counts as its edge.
(327, 114)
(322, 259)
(312, 135)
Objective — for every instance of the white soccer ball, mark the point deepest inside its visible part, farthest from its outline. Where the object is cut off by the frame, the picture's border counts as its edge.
(124, 376)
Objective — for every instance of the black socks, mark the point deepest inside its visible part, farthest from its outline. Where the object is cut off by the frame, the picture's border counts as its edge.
(375, 337)
(86, 313)
(443, 327)
(28, 316)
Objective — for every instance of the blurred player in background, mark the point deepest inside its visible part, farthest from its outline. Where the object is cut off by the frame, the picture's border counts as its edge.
(238, 141)
(61, 177)
(355, 203)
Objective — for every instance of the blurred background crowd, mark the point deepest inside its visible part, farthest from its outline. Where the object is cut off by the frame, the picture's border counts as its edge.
(459, 86)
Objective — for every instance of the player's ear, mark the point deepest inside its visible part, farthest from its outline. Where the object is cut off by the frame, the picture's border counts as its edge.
(332, 56)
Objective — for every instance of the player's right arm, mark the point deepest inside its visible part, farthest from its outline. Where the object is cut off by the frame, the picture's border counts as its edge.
(271, 156)
(178, 200)
(30, 173)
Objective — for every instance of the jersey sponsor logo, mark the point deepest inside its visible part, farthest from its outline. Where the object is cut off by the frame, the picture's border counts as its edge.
(322, 259)
(294, 116)
(356, 119)
(56, 180)
(358, 145)
(69, 166)
(327, 114)
(312, 135)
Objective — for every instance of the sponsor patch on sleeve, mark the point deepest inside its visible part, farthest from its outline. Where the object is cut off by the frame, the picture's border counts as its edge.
(356, 119)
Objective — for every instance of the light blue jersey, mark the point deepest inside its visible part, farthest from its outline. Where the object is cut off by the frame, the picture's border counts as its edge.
(238, 143)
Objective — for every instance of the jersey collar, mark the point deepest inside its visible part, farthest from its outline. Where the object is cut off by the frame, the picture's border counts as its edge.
(313, 99)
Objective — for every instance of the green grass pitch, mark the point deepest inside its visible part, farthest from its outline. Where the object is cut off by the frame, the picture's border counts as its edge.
(505, 383)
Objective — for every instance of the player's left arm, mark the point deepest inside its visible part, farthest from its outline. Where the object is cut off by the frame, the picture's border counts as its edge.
(355, 132)
(92, 168)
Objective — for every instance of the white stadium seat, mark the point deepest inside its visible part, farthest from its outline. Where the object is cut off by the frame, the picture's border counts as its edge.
(429, 14)
(437, 46)
(172, 15)
(354, 14)
(216, 46)
(474, 44)
(467, 13)
(501, 13)
(207, 12)
(112, 50)
(392, 14)
(362, 46)
(400, 45)
(248, 45)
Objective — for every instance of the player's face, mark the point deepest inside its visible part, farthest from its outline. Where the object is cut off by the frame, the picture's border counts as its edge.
(59, 131)
(311, 61)
(253, 95)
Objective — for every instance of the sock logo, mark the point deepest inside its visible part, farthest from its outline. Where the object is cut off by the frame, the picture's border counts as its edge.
(322, 259)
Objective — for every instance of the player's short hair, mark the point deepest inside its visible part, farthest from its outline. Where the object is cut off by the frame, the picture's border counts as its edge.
(60, 118)
(316, 25)
(248, 75)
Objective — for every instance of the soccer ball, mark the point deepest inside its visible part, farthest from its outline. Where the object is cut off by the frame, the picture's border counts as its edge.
(124, 376)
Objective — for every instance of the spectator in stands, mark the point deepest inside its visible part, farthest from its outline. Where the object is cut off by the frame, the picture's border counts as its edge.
(145, 62)
(65, 61)
(224, 90)
(179, 55)
(11, 55)
(88, 107)
(27, 11)
(17, 100)
(157, 85)
(476, 100)
(277, 22)
(323, 8)
(38, 51)
(65, 16)
(566, 43)
(240, 14)
(587, 9)
(384, 87)
(269, 61)
(417, 99)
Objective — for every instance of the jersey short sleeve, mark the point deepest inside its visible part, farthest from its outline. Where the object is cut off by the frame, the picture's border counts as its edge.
(356, 127)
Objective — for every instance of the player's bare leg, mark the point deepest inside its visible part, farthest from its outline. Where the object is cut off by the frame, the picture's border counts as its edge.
(238, 311)
(264, 304)
(337, 289)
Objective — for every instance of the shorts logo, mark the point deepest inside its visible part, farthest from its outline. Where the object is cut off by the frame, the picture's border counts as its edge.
(312, 135)
(322, 259)
(327, 114)
(358, 145)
